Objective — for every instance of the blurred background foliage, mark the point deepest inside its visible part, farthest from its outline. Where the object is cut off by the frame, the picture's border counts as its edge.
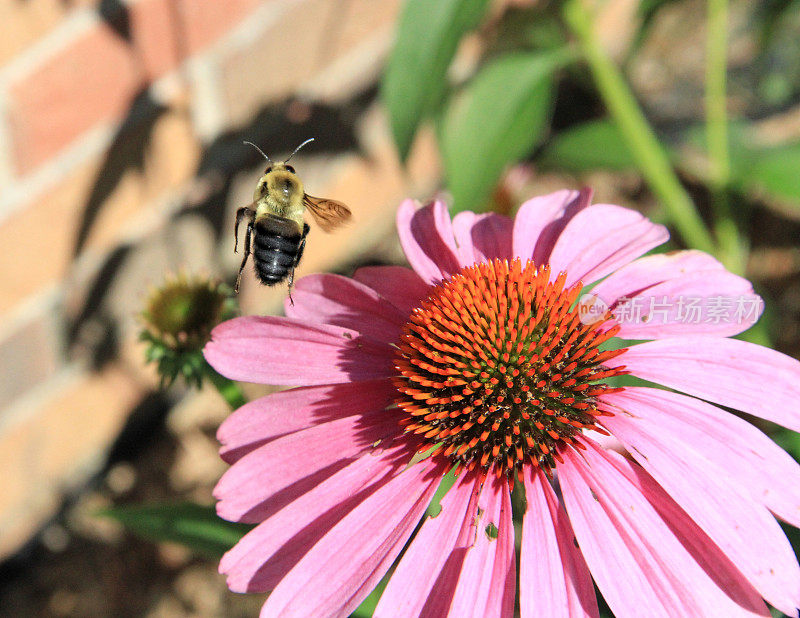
(516, 100)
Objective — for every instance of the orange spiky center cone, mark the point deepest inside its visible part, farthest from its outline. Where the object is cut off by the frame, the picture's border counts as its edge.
(496, 368)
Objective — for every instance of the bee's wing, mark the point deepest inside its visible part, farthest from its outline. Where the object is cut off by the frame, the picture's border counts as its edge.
(327, 213)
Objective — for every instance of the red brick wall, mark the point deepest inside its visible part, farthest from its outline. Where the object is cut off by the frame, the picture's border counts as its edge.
(111, 142)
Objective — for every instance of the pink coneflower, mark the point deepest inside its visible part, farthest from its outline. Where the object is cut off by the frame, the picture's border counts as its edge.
(489, 360)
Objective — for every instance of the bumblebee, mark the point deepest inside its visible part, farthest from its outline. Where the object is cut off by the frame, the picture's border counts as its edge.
(275, 222)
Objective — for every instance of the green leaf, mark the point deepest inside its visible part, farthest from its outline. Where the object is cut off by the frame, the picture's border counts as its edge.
(767, 172)
(368, 605)
(596, 144)
(527, 28)
(770, 172)
(788, 440)
(498, 119)
(415, 80)
(776, 171)
(193, 525)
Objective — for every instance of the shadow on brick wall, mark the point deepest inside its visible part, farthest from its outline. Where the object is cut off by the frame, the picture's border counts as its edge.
(276, 128)
(279, 127)
(143, 431)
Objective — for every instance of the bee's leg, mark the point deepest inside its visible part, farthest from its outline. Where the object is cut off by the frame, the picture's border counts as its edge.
(300, 249)
(291, 283)
(302, 244)
(241, 214)
(246, 254)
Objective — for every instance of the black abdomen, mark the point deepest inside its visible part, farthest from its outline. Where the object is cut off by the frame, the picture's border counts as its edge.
(277, 248)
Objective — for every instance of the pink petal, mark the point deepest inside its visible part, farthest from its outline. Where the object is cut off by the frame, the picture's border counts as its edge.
(643, 564)
(727, 445)
(718, 304)
(337, 300)
(426, 235)
(741, 527)
(425, 580)
(399, 285)
(488, 580)
(607, 443)
(602, 238)
(264, 555)
(540, 220)
(651, 270)
(708, 556)
(346, 564)
(482, 237)
(280, 414)
(553, 579)
(733, 373)
(621, 562)
(683, 293)
(273, 350)
(266, 479)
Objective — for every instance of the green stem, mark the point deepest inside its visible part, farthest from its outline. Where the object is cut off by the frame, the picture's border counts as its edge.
(639, 136)
(230, 391)
(725, 228)
(715, 95)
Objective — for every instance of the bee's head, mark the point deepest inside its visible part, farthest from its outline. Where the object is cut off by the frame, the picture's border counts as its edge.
(278, 167)
(280, 177)
(280, 180)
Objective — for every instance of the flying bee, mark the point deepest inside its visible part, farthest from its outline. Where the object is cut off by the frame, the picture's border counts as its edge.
(275, 222)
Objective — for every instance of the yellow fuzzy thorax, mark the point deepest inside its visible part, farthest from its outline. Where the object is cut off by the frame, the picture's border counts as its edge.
(280, 193)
